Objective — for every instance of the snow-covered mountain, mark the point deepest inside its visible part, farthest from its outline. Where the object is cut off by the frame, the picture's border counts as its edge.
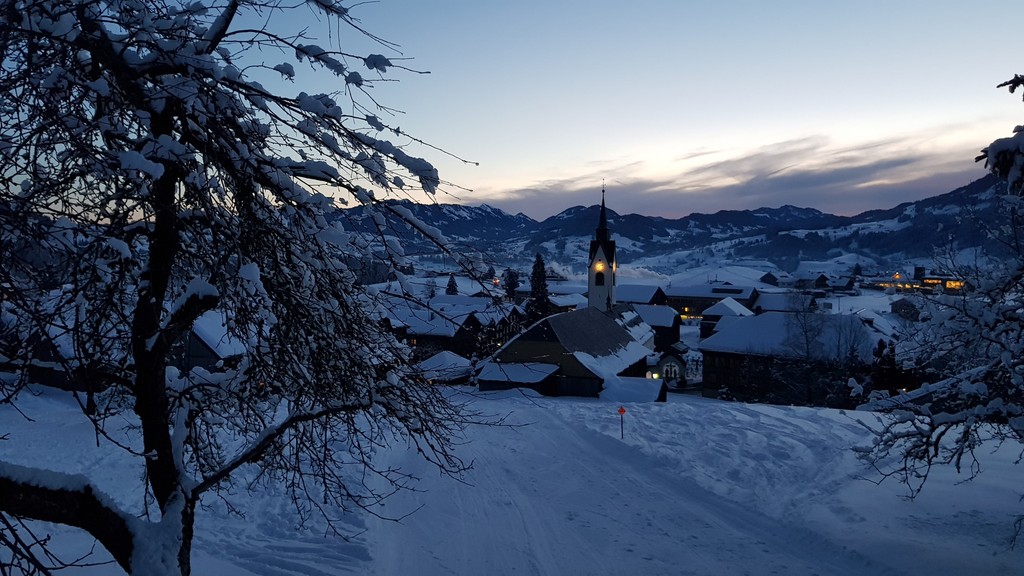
(784, 235)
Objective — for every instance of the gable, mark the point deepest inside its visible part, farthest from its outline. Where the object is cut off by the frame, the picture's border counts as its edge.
(637, 293)
(727, 307)
(657, 316)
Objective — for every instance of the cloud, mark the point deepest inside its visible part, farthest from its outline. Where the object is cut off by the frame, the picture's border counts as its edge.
(807, 172)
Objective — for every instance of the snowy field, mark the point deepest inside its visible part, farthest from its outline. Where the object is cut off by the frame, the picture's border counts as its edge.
(697, 487)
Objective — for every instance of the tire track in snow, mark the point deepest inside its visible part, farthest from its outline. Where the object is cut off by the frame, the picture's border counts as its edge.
(557, 498)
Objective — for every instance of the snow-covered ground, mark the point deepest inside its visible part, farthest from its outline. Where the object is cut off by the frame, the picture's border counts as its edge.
(696, 487)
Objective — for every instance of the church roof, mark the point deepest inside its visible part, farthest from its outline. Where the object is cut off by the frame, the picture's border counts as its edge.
(516, 372)
(588, 330)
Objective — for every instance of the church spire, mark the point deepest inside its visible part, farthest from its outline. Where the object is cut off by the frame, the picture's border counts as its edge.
(601, 278)
(602, 223)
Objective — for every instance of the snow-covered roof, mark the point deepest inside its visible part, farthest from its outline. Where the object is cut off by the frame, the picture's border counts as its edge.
(423, 322)
(445, 365)
(420, 287)
(443, 315)
(597, 341)
(783, 301)
(564, 288)
(635, 293)
(568, 300)
(587, 330)
(516, 372)
(657, 316)
(475, 302)
(714, 290)
(608, 365)
(727, 307)
(211, 328)
(782, 334)
(636, 327)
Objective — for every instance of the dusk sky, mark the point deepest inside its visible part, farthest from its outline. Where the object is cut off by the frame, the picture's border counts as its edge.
(682, 106)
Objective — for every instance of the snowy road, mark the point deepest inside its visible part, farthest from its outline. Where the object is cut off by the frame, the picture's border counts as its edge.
(607, 509)
(696, 487)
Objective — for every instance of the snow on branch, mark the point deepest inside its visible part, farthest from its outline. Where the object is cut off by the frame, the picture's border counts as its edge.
(67, 499)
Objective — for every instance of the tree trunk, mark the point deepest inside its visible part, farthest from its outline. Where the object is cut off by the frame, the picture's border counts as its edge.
(188, 516)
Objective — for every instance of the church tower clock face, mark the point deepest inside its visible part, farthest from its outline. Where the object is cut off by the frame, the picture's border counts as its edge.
(601, 269)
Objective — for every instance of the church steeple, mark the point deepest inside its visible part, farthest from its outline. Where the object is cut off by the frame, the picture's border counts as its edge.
(601, 234)
(601, 270)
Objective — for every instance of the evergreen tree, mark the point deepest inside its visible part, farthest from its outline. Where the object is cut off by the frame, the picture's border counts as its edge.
(453, 287)
(490, 273)
(538, 306)
(511, 284)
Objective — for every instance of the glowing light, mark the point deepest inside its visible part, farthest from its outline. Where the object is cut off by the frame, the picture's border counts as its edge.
(599, 266)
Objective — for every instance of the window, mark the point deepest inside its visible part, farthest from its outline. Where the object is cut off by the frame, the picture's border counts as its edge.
(599, 279)
(671, 370)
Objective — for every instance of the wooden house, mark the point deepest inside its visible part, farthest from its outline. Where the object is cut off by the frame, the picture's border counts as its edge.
(567, 354)
(691, 301)
(786, 357)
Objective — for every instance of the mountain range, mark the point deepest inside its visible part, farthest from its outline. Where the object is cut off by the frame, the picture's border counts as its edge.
(784, 236)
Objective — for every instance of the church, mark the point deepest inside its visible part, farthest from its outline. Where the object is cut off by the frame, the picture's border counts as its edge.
(598, 351)
(601, 267)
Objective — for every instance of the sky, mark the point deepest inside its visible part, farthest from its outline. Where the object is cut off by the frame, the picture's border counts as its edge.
(680, 106)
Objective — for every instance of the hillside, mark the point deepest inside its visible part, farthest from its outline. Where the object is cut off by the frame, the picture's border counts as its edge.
(696, 487)
(784, 236)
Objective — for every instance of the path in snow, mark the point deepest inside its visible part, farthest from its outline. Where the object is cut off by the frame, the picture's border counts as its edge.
(697, 487)
(558, 498)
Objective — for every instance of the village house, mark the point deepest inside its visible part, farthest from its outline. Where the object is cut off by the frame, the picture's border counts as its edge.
(568, 354)
(713, 315)
(209, 345)
(692, 301)
(784, 301)
(789, 358)
(640, 294)
(810, 281)
(466, 325)
(665, 323)
(446, 368)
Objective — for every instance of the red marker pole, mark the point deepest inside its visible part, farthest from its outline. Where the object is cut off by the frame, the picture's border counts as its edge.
(622, 423)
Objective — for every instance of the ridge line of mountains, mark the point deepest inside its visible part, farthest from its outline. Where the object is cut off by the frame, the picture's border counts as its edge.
(784, 236)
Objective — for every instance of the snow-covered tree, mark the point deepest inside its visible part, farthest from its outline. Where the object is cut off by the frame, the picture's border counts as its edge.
(510, 283)
(452, 289)
(538, 306)
(973, 343)
(153, 171)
